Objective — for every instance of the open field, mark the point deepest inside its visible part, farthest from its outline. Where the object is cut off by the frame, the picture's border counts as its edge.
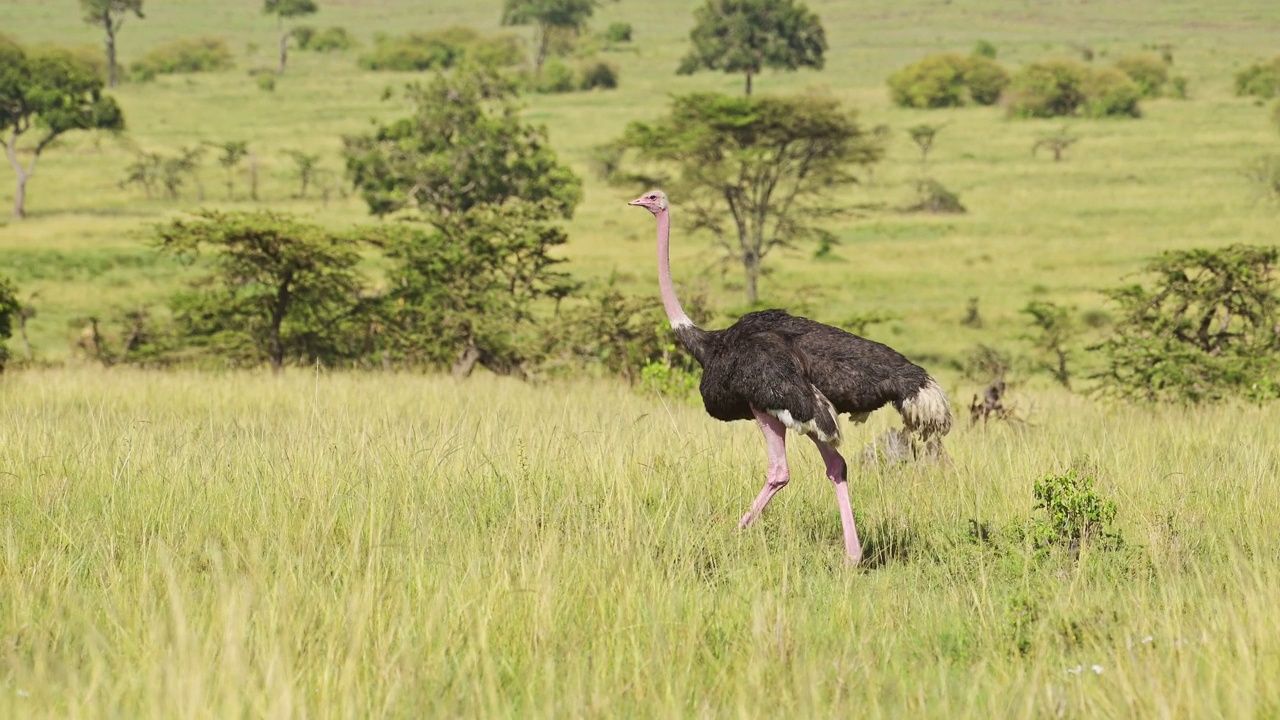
(183, 545)
(390, 545)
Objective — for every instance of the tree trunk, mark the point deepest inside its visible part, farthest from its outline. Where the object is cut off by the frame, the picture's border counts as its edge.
(111, 48)
(20, 194)
(751, 265)
(466, 361)
(284, 45)
(544, 41)
(748, 83)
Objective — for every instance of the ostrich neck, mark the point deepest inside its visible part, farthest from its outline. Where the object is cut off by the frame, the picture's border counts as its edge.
(675, 313)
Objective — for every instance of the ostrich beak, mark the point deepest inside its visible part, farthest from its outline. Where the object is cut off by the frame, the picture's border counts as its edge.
(637, 201)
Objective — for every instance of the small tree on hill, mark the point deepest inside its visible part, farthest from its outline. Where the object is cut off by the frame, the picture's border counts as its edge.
(747, 36)
(487, 186)
(1207, 330)
(51, 93)
(110, 15)
(775, 166)
(287, 9)
(278, 289)
(548, 17)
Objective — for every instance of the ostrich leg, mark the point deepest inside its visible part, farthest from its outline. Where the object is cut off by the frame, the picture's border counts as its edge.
(837, 472)
(775, 442)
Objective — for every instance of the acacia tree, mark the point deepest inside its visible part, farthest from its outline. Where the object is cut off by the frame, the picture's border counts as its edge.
(548, 17)
(746, 36)
(47, 94)
(482, 187)
(287, 9)
(110, 15)
(772, 166)
(278, 289)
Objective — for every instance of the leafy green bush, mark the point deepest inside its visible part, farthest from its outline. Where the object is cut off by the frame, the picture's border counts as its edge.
(302, 35)
(1148, 71)
(187, 55)
(618, 32)
(1208, 329)
(331, 39)
(1262, 79)
(266, 81)
(9, 308)
(440, 49)
(1075, 512)
(499, 50)
(557, 77)
(984, 49)
(1049, 88)
(598, 74)
(1110, 93)
(985, 79)
(934, 198)
(932, 82)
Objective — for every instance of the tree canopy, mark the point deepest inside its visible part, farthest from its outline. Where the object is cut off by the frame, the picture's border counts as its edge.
(548, 16)
(747, 36)
(110, 15)
(773, 166)
(47, 93)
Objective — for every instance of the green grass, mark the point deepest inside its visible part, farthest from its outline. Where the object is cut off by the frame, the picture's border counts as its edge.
(186, 545)
(189, 545)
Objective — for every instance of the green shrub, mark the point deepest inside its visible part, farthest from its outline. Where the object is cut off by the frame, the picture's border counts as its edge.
(936, 199)
(302, 35)
(187, 55)
(1075, 512)
(499, 50)
(984, 49)
(985, 79)
(598, 74)
(9, 309)
(1049, 88)
(331, 39)
(418, 51)
(618, 32)
(86, 55)
(1178, 87)
(557, 77)
(1261, 79)
(266, 81)
(1110, 93)
(931, 82)
(1148, 71)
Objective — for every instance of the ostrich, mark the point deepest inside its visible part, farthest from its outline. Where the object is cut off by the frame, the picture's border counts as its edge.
(789, 372)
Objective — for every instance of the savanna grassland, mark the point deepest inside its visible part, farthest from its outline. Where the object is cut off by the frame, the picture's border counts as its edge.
(185, 544)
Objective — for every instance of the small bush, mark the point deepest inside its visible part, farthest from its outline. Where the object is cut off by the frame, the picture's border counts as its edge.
(1050, 88)
(302, 35)
(500, 50)
(935, 198)
(1260, 80)
(331, 39)
(984, 49)
(441, 49)
(557, 77)
(985, 79)
(1075, 512)
(266, 81)
(188, 55)
(618, 32)
(1148, 71)
(598, 74)
(931, 82)
(1178, 87)
(1110, 93)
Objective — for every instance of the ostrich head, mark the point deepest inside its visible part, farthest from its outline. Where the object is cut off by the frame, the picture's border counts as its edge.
(655, 201)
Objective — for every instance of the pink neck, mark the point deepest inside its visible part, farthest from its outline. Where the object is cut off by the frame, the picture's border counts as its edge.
(675, 313)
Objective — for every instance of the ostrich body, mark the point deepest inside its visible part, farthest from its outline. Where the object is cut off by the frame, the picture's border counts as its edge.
(789, 372)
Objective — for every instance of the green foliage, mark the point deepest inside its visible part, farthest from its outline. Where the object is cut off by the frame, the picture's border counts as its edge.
(1150, 72)
(948, 80)
(185, 55)
(1261, 80)
(617, 32)
(1110, 93)
(986, 80)
(933, 197)
(556, 77)
(306, 165)
(47, 94)
(289, 8)
(984, 49)
(1208, 329)
(1056, 332)
(277, 290)
(1049, 88)
(747, 36)
(110, 16)
(463, 146)
(230, 153)
(440, 49)
(775, 166)
(266, 81)
(9, 309)
(150, 170)
(598, 74)
(332, 39)
(463, 291)
(1075, 512)
(552, 18)
(931, 82)
(1056, 143)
